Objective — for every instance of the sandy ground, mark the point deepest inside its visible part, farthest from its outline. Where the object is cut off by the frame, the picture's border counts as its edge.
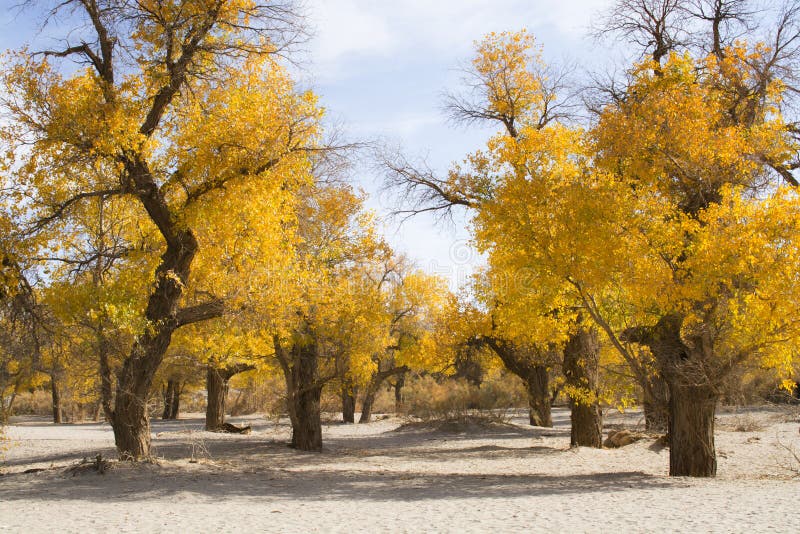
(382, 477)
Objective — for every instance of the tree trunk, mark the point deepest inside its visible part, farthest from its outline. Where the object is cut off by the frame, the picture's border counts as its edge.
(655, 404)
(348, 404)
(692, 451)
(368, 401)
(217, 392)
(176, 400)
(97, 410)
(169, 399)
(305, 399)
(538, 386)
(131, 427)
(528, 364)
(692, 395)
(581, 362)
(217, 389)
(374, 387)
(399, 405)
(58, 409)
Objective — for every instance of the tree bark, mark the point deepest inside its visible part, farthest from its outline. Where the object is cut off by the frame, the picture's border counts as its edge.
(373, 388)
(399, 403)
(691, 435)
(692, 393)
(216, 388)
(217, 391)
(655, 404)
(538, 386)
(58, 409)
(176, 400)
(130, 422)
(581, 368)
(170, 394)
(348, 404)
(304, 400)
(368, 401)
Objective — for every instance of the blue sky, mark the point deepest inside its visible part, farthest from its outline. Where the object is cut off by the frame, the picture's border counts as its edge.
(381, 66)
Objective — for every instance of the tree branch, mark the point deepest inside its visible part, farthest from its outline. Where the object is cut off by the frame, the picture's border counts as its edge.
(201, 312)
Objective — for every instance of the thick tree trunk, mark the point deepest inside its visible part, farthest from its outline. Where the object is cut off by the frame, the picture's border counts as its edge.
(131, 427)
(217, 389)
(581, 362)
(348, 404)
(655, 404)
(217, 392)
(692, 395)
(305, 399)
(692, 451)
(538, 386)
(55, 392)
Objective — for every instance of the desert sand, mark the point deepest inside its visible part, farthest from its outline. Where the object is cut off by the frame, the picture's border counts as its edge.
(388, 476)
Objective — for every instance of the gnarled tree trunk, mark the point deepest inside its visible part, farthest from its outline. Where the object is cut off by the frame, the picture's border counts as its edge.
(581, 369)
(693, 396)
(527, 364)
(538, 386)
(692, 451)
(217, 391)
(130, 422)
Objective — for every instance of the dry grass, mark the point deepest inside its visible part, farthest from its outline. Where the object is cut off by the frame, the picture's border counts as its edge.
(743, 423)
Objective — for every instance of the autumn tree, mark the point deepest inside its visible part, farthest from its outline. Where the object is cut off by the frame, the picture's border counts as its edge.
(410, 301)
(620, 219)
(133, 125)
(510, 86)
(320, 305)
(465, 326)
(731, 102)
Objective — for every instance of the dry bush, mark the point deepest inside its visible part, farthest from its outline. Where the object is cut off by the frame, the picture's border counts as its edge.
(37, 402)
(747, 387)
(257, 393)
(743, 423)
(457, 400)
(74, 408)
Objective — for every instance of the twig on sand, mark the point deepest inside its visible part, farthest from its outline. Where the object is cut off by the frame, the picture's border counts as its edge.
(99, 464)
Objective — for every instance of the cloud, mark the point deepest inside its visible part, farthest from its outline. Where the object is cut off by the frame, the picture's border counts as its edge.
(343, 28)
(350, 30)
